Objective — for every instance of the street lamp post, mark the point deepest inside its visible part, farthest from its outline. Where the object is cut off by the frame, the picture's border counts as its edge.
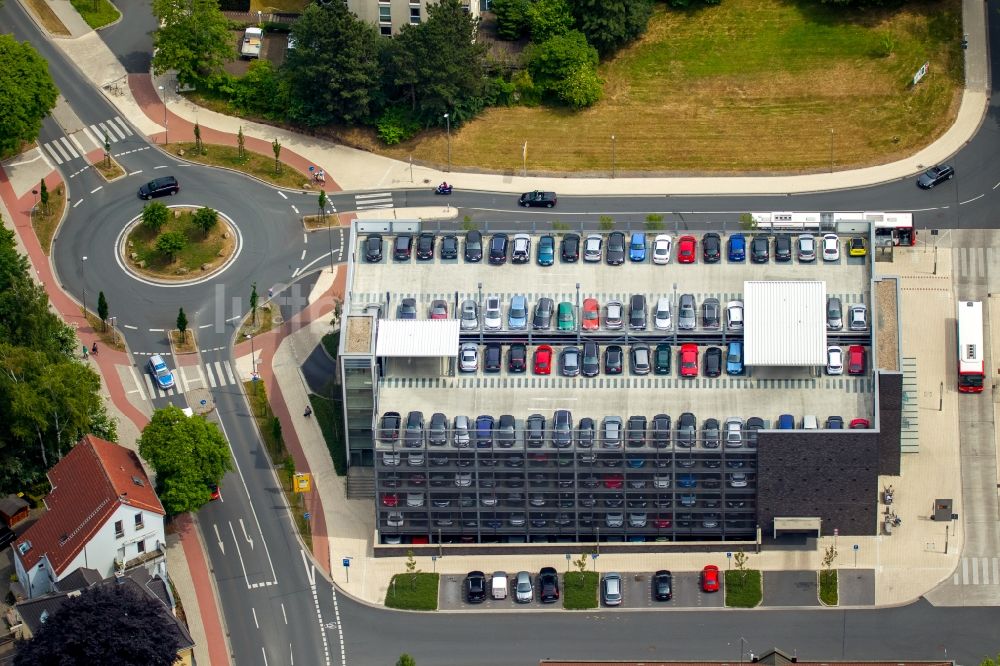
(612, 155)
(84, 283)
(481, 314)
(447, 118)
(166, 132)
(831, 150)
(579, 314)
(675, 314)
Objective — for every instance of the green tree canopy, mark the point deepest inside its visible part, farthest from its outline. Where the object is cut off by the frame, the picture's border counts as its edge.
(565, 67)
(611, 24)
(512, 18)
(193, 38)
(438, 66)
(189, 454)
(154, 216)
(133, 629)
(205, 219)
(334, 73)
(171, 243)
(549, 18)
(27, 93)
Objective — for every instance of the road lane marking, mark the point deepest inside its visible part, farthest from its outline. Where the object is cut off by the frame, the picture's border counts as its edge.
(229, 372)
(302, 258)
(96, 189)
(156, 330)
(130, 327)
(91, 137)
(245, 535)
(138, 384)
(305, 237)
(239, 554)
(53, 154)
(107, 134)
(124, 126)
(76, 142)
(55, 143)
(282, 195)
(971, 200)
(295, 209)
(165, 166)
(283, 614)
(69, 147)
(254, 611)
(117, 131)
(218, 537)
(78, 202)
(135, 172)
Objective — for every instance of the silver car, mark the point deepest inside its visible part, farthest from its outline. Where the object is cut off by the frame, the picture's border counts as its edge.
(858, 318)
(734, 432)
(614, 519)
(807, 247)
(461, 431)
(612, 432)
(661, 316)
(834, 314)
(611, 589)
(687, 315)
(468, 357)
(613, 318)
(469, 315)
(523, 591)
(592, 247)
(414, 499)
(493, 317)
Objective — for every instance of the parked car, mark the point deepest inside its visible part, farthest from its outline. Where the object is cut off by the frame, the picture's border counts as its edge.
(611, 433)
(592, 247)
(834, 314)
(711, 433)
(753, 424)
(858, 318)
(475, 587)
(523, 590)
(538, 199)
(687, 426)
(388, 428)
(782, 247)
(616, 249)
(686, 248)
(469, 319)
(534, 429)
(662, 248)
(736, 248)
(834, 360)
(498, 249)
(543, 360)
(711, 313)
(373, 248)
(570, 247)
(710, 578)
(689, 360)
(935, 176)
(590, 320)
(734, 358)
(637, 247)
(591, 362)
(834, 423)
(639, 359)
(711, 248)
(493, 315)
(425, 246)
(565, 318)
(520, 252)
(498, 583)
(569, 362)
(460, 431)
(760, 250)
(548, 585)
(637, 312)
(661, 358)
(734, 432)
(613, 315)
(546, 252)
(860, 424)
(786, 422)
(438, 309)
(473, 246)
(506, 434)
(611, 589)
(413, 435)
(402, 247)
(544, 309)
(562, 428)
(468, 357)
(661, 315)
(492, 357)
(517, 358)
(807, 247)
(663, 585)
(831, 247)
(713, 362)
(449, 246)
(855, 360)
(734, 315)
(660, 432)
(687, 317)
(635, 432)
(585, 433)
(407, 309)
(857, 247)
(517, 316)
(613, 360)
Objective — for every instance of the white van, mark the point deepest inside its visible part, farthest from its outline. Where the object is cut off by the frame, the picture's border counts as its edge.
(499, 585)
(809, 422)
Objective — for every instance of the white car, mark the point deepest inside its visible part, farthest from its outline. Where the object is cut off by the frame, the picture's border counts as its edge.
(592, 247)
(521, 249)
(391, 458)
(858, 318)
(661, 481)
(662, 248)
(738, 480)
(734, 432)
(834, 361)
(468, 357)
(493, 317)
(661, 316)
(734, 315)
(160, 372)
(394, 519)
(414, 499)
(463, 479)
(831, 247)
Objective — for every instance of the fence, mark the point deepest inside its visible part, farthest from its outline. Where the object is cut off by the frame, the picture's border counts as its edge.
(255, 18)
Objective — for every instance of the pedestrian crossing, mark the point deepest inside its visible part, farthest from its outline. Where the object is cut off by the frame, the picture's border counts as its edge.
(978, 571)
(972, 262)
(373, 201)
(68, 148)
(212, 374)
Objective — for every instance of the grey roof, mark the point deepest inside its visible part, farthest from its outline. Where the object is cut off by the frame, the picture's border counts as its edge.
(79, 579)
(12, 504)
(784, 323)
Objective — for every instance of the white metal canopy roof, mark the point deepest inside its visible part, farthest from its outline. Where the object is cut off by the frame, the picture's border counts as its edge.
(413, 338)
(784, 323)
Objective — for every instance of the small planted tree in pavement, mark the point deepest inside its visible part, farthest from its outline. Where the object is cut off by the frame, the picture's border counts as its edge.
(740, 559)
(44, 194)
(276, 147)
(406, 660)
(654, 222)
(102, 310)
(182, 324)
(241, 144)
(607, 223)
(253, 303)
(322, 205)
(198, 147)
(411, 567)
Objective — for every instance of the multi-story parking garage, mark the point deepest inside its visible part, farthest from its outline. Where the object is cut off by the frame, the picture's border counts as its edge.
(498, 404)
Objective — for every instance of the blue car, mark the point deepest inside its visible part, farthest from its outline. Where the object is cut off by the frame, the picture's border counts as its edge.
(637, 248)
(734, 359)
(161, 373)
(686, 481)
(737, 246)
(546, 250)
(517, 316)
(786, 422)
(635, 463)
(484, 431)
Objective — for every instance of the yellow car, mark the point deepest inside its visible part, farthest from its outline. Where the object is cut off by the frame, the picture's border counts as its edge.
(856, 247)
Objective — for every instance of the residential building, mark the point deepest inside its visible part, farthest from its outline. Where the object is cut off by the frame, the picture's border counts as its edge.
(391, 15)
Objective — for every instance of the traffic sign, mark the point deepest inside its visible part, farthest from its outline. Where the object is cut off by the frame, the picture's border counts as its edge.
(595, 555)
(856, 546)
(306, 515)
(347, 561)
(729, 554)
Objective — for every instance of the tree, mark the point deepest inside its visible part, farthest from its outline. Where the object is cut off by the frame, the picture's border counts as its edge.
(565, 67)
(321, 201)
(611, 24)
(581, 564)
(189, 455)
(549, 18)
(512, 18)
(241, 144)
(406, 660)
(171, 243)
(102, 309)
(740, 560)
(134, 630)
(438, 66)
(276, 147)
(606, 222)
(205, 219)
(182, 324)
(253, 304)
(154, 216)
(43, 194)
(654, 222)
(334, 73)
(582, 88)
(411, 567)
(27, 94)
(193, 39)
(197, 139)
(829, 556)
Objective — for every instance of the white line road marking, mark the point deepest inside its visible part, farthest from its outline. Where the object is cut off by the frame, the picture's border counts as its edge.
(56, 157)
(305, 237)
(283, 614)
(378, 195)
(291, 654)
(229, 372)
(124, 126)
(245, 535)
(218, 537)
(375, 206)
(117, 131)
(264, 654)
(69, 146)
(303, 257)
(211, 377)
(91, 137)
(975, 572)
(105, 132)
(165, 166)
(138, 384)
(130, 327)
(233, 318)
(182, 376)
(150, 389)
(986, 570)
(295, 273)
(77, 143)
(58, 146)
(239, 554)
(78, 202)
(996, 571)
(96, 189)
(962, 203)
(156, 330)
(204, 326)
(135, 172)
(965, 571)
(310, 570)
(295, 209)
(254, 611)
(99, 134)
(282, 195)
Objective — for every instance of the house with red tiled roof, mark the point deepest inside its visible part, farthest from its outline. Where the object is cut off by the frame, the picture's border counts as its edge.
(102, 514)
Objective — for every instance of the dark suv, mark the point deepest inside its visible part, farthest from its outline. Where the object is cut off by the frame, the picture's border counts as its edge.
(388, 429)
(615, 255)
(548, 585)
(562, 428)
(159, 187)
(425, 246)
(570, 247)
(517, 357)
(782, 247)
(373, 248)
(759, 250)
(591, 364)
(414, 429)
(637, 312)
(498, 249)
(475, 587)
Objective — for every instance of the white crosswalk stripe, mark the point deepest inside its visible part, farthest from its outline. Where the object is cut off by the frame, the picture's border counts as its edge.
(93, 140)
(62, 151)
(978, 571)
(69, 147)
(123, 125)
(212, 374)
(52, 152)
(373, 201)
(108, 133)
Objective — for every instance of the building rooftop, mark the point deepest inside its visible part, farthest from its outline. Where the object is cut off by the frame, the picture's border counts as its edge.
(784, 323)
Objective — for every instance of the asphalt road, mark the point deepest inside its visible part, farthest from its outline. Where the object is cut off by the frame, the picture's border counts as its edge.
(277, 609)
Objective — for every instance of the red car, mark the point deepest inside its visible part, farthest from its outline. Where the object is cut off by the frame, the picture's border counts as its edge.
(613, 481)
(860, 424)
(689, 360)
(390, 499)
(439, 310)
(543, 360)
(216, 494)
(686, 248)
(856, 360)
(591, 314)
(710, 578)
(661, 523)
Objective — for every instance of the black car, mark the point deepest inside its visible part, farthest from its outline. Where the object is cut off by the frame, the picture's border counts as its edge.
(548, 585)
(590, 366)
(517, 357)
(635, 431)
(402, 248)
(686, 426)
(475, 587)
(414, 435)
(661, 359)
(562, 428)
(935, 176)
(585, 432)
(388, 428)
(473, 246)
(782, 247)
(534, 430)
(491, 357)
(711, 248)
(760, 250)
(506, 435)
(713, 362)
(570, 250)
(437, 432)
(543, 314)
(661, 431)
(663, 586)
(538, 199)
(425, 246)
(615, 255)
(498, 249)
(753, 424)
(373, 248)
(569, 362)
(637, 312)
(407, 309)
(612, 360)
(449, 247)
(159, 187)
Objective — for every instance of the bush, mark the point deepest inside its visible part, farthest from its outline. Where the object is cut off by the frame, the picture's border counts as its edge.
(416, 591)
(396, 125)
(525, 91)
(580, 89)
(580, 590)
(262, 91)
(512, 18)
(743, 588)
(565, 67)
(828, 590)
(499, 92)
(548, 18)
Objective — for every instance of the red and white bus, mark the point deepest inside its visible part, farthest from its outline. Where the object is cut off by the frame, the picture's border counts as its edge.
(897, 226)
(971, 357)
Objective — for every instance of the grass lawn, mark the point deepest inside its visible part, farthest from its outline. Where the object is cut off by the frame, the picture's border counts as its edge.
(200, 249)
(45, 224)
(97, 13)
(109, 172)
(748, 85)
(255, 164)
(828, 591)
(330, 419)
(183, 344)
(743, 592)
(413, 592)
(580, 590)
